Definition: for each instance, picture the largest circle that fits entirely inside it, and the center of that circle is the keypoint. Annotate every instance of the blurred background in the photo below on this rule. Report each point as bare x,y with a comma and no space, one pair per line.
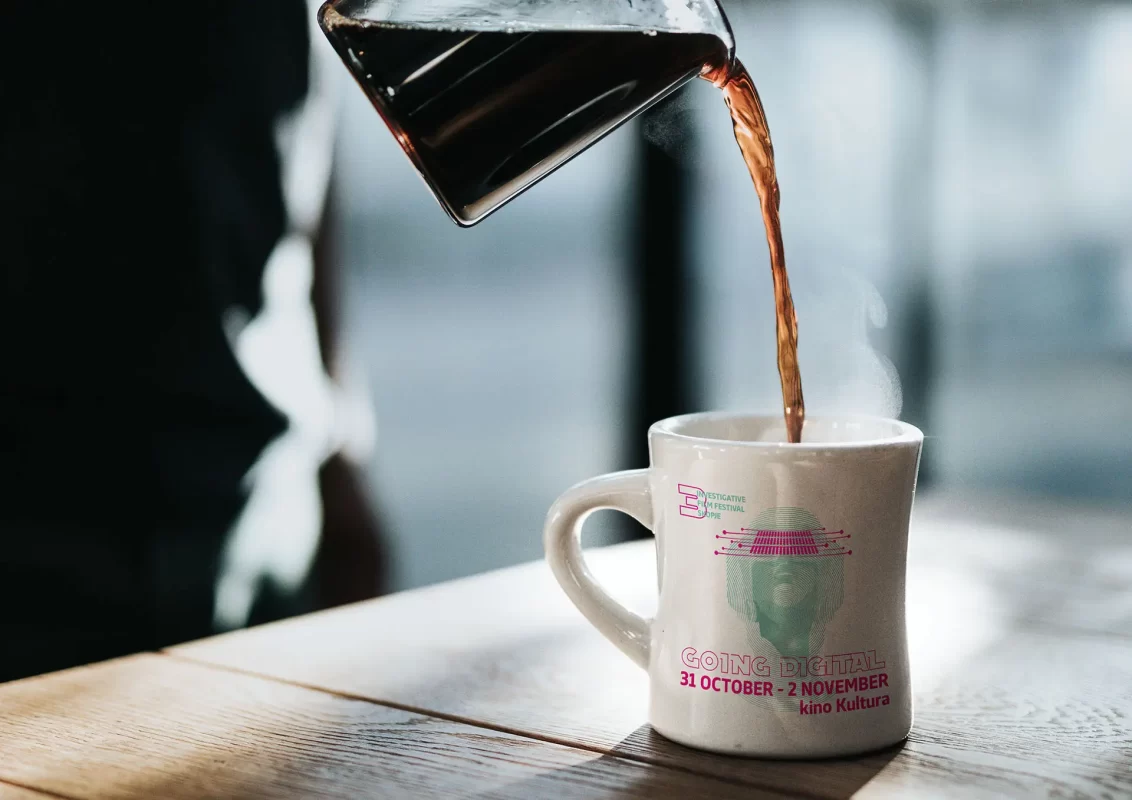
956,194
251,369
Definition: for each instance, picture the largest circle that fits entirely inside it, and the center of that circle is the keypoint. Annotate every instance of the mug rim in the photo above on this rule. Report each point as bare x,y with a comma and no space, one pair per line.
906,434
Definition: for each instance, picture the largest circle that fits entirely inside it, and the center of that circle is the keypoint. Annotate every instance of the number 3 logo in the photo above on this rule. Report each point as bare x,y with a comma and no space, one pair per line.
695,501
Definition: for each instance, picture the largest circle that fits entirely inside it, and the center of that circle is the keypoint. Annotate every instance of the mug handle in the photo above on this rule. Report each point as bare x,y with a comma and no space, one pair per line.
627,492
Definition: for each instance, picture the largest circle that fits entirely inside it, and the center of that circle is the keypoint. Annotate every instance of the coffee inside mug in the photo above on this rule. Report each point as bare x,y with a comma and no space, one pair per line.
770,429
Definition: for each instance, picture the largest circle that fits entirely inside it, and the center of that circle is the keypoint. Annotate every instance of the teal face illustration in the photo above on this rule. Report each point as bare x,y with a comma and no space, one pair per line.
785,587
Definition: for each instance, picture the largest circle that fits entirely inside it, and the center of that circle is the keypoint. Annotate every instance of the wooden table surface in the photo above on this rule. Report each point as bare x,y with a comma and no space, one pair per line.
1020,620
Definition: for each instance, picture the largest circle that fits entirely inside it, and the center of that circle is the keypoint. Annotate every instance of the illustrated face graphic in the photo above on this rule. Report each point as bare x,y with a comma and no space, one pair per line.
780,581
785,585
786,594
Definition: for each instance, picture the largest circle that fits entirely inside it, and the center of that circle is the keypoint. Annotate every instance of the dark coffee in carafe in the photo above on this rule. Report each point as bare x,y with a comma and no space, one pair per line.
485,114
486,103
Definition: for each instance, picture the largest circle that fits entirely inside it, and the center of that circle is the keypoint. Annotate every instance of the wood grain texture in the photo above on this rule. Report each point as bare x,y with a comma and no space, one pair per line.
154,727
10,792
1019,689
1062,565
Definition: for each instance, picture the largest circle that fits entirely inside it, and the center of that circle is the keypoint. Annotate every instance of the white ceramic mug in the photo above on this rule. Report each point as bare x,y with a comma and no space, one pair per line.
780,627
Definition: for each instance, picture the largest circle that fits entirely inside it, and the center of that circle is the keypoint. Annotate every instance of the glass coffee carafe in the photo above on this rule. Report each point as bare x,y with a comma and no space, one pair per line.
487,97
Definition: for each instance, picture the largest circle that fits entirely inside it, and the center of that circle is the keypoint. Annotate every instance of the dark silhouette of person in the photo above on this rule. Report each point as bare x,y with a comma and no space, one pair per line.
145,193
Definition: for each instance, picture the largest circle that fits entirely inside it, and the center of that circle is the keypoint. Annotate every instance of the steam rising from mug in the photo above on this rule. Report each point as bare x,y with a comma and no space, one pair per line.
671,126
846,373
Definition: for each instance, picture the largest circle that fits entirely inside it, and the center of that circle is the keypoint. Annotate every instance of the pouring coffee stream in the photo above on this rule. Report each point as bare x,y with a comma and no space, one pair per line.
487,97
753,136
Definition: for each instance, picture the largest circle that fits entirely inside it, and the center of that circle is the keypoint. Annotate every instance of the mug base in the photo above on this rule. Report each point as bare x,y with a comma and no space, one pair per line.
787,754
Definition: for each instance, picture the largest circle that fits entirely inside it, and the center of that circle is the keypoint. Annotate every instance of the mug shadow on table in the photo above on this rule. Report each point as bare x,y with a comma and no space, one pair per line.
646,765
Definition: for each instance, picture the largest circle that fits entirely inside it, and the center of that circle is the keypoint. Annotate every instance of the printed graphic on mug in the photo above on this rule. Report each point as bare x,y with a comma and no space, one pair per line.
699,504
786,580
785,576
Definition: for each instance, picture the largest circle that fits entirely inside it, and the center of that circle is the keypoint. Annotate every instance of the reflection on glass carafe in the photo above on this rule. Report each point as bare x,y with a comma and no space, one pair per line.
487,97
